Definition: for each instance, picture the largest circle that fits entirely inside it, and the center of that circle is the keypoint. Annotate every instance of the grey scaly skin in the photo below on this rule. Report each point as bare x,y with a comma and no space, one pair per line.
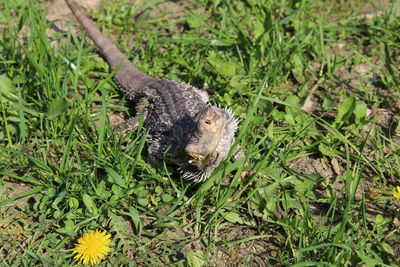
183,128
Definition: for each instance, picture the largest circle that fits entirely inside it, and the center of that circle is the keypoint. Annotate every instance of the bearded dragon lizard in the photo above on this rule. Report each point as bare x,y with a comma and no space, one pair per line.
183,128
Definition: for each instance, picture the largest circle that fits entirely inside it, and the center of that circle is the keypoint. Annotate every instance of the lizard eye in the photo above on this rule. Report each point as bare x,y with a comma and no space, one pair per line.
208,122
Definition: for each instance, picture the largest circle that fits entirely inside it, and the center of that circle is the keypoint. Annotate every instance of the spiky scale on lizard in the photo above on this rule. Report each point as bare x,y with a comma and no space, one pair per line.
183,128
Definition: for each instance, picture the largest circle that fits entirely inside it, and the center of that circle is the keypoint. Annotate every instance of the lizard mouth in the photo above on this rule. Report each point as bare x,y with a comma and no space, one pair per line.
198,169
200,160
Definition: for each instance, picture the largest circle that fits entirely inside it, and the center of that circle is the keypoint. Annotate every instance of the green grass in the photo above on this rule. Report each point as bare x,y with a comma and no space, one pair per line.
321,189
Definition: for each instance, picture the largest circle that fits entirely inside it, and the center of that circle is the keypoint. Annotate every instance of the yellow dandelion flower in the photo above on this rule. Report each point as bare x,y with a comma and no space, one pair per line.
92,247
396,193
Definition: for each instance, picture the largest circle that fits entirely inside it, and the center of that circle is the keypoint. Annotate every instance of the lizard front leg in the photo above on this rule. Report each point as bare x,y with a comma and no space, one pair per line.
132,123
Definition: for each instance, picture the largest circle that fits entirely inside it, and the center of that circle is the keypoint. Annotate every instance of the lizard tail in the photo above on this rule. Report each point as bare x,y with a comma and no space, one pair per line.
129,77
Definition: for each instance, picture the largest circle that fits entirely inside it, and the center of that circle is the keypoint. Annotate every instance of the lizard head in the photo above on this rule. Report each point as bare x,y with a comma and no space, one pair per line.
209,143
